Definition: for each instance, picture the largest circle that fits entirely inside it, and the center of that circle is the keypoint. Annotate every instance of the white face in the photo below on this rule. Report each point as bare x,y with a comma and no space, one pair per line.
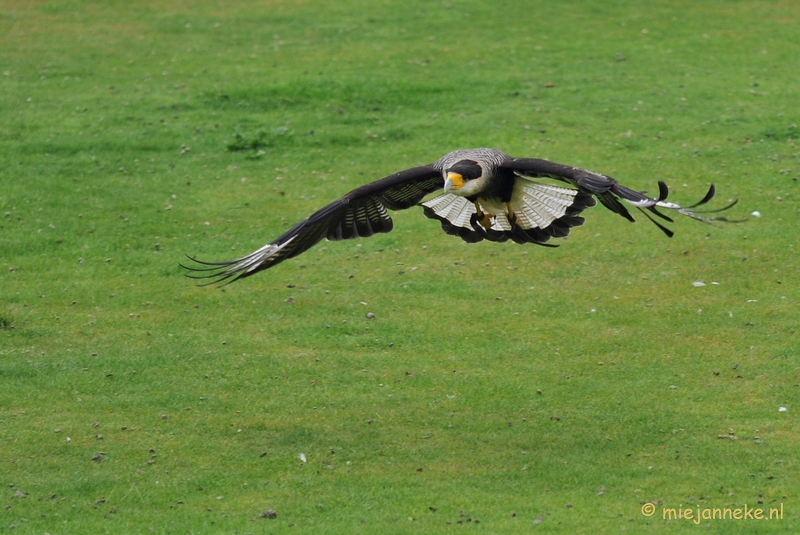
465,179
456,184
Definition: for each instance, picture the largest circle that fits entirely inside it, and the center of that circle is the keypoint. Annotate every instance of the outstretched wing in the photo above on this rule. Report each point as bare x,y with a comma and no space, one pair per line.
359,214
610,192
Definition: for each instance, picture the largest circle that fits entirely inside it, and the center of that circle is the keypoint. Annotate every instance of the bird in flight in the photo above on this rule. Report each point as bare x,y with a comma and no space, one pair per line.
487,195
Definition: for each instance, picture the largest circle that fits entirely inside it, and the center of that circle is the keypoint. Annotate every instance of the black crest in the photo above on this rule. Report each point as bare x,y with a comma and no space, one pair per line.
468,169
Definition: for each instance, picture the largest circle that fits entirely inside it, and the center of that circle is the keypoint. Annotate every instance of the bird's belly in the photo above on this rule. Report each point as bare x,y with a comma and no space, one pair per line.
492,206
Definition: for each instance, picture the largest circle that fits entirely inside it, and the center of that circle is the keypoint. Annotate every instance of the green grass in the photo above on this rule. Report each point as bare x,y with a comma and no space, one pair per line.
500,388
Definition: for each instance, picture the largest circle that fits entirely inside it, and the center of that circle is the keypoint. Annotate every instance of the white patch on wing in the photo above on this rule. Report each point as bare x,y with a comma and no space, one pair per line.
537,205
457,210
250,262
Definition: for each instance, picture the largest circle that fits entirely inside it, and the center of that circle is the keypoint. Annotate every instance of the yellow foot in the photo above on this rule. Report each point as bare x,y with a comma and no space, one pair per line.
510,215
485,220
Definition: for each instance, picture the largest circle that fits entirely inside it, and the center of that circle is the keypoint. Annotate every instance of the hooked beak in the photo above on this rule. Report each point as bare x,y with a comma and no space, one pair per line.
453,181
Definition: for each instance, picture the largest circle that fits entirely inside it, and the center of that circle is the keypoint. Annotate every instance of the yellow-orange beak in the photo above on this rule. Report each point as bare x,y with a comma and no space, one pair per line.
453,181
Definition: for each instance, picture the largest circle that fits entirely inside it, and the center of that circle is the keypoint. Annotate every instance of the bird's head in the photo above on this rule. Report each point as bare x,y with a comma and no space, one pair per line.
464,178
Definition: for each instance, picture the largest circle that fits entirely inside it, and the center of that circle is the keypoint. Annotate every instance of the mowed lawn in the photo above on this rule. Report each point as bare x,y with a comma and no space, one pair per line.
494,388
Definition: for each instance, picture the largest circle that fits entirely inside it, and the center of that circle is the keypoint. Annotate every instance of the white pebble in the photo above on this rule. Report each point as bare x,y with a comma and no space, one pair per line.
782,409
756,214
698,284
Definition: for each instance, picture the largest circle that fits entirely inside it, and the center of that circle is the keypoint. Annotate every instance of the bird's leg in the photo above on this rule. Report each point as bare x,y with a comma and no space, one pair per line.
510,215
484,219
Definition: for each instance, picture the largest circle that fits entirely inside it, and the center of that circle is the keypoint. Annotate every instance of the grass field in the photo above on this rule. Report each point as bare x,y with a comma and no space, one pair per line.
499,388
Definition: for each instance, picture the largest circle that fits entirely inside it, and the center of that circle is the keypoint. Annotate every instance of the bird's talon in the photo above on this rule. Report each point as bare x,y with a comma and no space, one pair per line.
512,217
484,220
